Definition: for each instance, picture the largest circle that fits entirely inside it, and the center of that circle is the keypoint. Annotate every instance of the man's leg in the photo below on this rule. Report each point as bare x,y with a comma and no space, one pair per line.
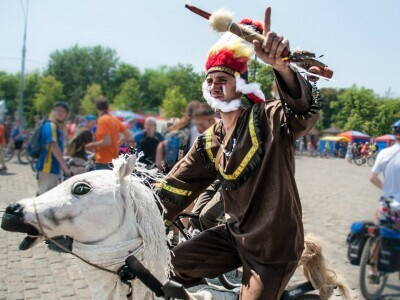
273,278
207,255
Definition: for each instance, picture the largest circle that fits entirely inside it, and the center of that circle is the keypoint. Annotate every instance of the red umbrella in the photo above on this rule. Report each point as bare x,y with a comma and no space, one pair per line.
385,138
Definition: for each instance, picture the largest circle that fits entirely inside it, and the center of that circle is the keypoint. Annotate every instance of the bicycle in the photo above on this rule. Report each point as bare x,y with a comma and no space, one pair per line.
23,155
9,151
297,292
376,261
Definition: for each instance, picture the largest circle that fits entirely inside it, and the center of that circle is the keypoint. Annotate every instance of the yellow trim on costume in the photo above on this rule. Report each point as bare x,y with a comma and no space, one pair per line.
49,158
208,135
243,164
174,190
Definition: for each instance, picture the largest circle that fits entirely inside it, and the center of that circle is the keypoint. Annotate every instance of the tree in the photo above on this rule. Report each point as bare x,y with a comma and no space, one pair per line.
155,82
263,74
122,73
49,91
388,113
129,96
356,110
32,81
79,67
9,90
328,96
93,93
174,103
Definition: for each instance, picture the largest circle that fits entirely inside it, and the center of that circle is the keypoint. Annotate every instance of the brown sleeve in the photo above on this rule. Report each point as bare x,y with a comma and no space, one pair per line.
301,113
187,179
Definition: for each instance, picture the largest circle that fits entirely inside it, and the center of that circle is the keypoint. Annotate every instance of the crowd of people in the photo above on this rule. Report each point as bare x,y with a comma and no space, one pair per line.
348,150
67,147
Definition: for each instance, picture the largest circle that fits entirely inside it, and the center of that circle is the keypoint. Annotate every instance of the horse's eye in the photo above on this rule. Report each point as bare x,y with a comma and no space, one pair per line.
81,188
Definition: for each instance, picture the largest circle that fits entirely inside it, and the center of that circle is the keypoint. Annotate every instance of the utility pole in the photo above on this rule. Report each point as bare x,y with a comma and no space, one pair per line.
22,74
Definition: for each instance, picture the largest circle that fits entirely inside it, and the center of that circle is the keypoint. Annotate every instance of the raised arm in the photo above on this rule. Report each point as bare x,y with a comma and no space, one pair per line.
293,89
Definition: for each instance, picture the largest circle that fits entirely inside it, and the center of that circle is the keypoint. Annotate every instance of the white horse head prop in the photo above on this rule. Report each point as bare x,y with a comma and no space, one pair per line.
110,215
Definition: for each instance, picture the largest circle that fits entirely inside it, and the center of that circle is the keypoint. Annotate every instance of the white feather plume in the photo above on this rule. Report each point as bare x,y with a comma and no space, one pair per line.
221,20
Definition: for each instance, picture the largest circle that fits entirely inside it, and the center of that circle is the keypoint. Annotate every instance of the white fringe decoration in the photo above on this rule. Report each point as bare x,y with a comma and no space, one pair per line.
218,104
249,88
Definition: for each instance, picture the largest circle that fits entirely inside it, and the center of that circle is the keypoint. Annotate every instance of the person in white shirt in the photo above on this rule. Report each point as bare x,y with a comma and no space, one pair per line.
388,163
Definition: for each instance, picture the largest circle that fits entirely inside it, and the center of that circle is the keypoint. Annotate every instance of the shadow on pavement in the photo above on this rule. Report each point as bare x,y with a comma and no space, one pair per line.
6,174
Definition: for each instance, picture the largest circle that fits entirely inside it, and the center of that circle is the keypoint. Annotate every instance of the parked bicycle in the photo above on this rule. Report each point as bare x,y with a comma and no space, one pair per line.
9,151
381,253
368,159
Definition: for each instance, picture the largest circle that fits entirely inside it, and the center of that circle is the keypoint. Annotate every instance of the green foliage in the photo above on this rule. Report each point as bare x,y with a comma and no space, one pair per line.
32,81
263,74
174,103
356,110
155,82
328,96
88,104
49,91
122,73
9,91
129,96
388,113
79,67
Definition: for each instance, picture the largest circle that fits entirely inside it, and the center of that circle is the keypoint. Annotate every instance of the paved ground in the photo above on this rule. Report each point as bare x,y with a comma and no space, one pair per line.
333,194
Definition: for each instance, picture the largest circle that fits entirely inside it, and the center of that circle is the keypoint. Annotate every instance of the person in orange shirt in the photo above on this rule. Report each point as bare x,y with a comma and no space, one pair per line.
107,136
2,146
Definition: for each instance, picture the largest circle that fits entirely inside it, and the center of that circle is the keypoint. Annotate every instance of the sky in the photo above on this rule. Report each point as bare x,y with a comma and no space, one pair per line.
359,39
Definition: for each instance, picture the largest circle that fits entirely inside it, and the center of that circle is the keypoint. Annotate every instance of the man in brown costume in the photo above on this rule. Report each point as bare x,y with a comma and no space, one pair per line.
251,150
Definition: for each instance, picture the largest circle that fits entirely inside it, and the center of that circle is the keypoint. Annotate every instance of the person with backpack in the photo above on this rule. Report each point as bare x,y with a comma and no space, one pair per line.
180,137
50,161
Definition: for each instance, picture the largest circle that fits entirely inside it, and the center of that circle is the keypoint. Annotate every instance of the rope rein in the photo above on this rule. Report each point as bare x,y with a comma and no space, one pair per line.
43,233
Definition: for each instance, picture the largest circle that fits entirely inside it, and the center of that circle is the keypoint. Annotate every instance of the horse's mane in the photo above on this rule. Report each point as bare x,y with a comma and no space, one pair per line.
136,193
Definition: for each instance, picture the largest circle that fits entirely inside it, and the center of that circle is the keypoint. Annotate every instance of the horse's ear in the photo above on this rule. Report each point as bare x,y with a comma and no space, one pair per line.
128,166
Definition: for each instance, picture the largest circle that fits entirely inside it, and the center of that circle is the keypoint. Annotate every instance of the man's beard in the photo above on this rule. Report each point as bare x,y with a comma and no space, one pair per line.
224,106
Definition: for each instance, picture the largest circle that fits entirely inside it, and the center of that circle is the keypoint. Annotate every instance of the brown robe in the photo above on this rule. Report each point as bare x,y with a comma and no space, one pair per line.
257,171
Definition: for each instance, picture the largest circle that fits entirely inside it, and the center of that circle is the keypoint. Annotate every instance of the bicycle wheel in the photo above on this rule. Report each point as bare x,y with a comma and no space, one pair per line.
359,161
231,280
371,289
9,152
23,157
